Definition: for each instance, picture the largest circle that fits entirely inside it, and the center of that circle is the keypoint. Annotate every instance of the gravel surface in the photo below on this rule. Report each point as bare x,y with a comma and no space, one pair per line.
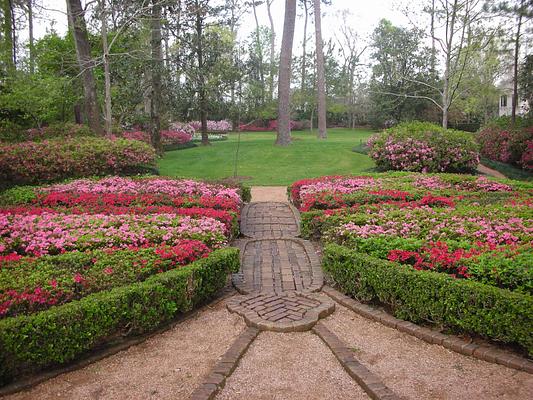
415,369
167,366
269,193
290,366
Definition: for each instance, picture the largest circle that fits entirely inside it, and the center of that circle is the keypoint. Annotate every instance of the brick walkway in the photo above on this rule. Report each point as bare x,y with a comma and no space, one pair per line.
279,268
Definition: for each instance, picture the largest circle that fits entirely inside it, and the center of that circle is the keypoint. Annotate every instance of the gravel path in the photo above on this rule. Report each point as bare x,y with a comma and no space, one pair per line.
166,366
415,369
269,193
489,171
290,366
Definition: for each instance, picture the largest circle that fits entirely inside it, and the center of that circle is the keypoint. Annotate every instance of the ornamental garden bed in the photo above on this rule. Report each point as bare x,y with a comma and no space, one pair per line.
85,262
449,250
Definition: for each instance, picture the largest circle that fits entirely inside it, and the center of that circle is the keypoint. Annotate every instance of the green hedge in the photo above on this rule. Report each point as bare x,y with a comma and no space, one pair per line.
63,333
425,296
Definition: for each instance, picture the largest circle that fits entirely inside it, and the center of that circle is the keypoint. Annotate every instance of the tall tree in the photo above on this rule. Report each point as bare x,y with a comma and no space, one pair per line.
157,68
76,15
521,11
321,73
29,8
8,42
272,60
305,4
107,73
284,83
259,51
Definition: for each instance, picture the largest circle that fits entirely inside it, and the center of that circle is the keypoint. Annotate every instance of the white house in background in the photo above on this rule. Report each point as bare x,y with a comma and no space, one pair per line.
506,101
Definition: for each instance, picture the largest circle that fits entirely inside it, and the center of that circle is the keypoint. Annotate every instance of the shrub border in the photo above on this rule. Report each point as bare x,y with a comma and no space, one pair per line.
418,296
62,334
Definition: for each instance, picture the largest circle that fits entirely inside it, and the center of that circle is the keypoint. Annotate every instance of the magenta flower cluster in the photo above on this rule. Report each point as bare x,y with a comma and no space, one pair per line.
172,187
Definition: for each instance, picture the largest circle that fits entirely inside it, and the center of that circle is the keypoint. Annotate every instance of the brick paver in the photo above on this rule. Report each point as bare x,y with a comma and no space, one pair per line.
269,220
288,312
278,265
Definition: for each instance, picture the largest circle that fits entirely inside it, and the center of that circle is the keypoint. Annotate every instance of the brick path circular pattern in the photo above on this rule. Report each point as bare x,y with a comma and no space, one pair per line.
287,312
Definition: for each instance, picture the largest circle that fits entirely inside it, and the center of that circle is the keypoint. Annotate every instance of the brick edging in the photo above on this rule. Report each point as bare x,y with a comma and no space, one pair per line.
371,383
225,366
109,350
487,353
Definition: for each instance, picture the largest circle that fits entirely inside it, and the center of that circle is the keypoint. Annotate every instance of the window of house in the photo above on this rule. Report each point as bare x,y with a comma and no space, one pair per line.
503,101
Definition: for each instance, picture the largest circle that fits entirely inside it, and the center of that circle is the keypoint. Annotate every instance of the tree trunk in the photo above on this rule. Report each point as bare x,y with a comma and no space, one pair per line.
272,52
321,72
432,32
515,66
260,53
304,48
284,81
7,30
157,60
202,95
83,53
30,33
107,72
450,26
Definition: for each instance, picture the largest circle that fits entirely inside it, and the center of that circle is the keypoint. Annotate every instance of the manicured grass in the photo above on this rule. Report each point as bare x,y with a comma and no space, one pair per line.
267,164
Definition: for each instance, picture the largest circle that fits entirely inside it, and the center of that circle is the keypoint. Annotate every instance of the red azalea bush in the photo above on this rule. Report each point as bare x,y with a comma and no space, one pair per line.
168,137
90,200
51,160
34,284
526,161
507,145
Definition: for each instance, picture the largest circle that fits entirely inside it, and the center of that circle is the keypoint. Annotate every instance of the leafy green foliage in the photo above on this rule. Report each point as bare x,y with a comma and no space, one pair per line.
63,333
426,296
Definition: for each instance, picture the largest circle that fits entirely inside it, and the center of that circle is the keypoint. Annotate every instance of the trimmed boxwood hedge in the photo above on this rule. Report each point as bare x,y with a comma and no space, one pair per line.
63,333
426,296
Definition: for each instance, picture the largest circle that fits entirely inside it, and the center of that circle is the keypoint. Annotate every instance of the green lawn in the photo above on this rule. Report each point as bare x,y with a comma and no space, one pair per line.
266,164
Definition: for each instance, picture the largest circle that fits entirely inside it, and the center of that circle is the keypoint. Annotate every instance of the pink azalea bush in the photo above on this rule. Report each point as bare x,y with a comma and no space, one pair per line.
53,233
423,147
213,126
50,160
171,187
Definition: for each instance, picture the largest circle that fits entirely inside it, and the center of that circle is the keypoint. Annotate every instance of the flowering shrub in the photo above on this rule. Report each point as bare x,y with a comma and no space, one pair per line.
103,258
424,147
34,284
213,126
59,130
506,144
447,223
171,187
183,127
168,137
51,233
31,162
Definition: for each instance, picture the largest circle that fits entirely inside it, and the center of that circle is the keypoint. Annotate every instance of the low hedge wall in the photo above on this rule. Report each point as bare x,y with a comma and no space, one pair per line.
61,334
425,296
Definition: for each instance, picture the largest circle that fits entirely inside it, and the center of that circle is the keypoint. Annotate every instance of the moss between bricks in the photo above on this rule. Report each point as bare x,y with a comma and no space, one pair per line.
422,296
61,334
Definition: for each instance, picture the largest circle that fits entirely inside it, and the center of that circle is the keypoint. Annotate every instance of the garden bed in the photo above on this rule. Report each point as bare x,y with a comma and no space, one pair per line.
453,250
89,260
